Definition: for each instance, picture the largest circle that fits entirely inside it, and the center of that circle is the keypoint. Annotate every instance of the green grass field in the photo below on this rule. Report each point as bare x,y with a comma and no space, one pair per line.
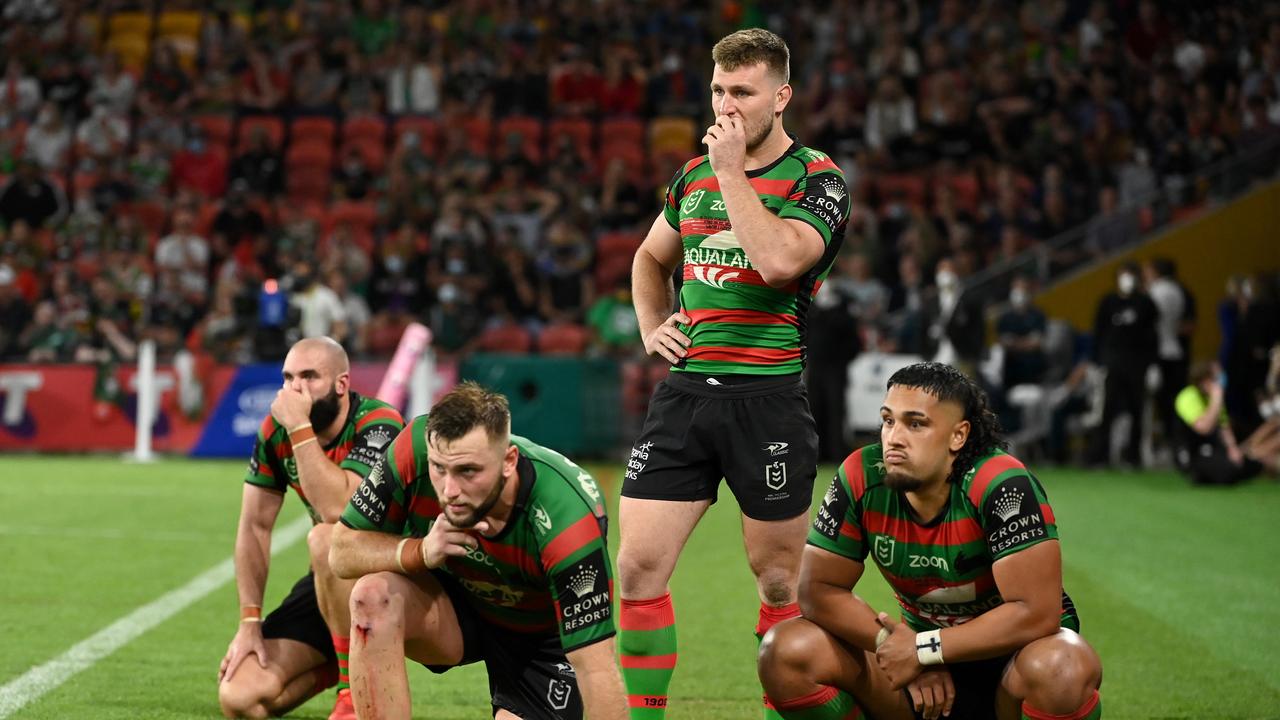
1178,588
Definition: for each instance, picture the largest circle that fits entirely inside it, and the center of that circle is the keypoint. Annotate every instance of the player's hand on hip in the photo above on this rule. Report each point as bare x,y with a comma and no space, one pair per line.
248,641
667,340
445,540
933,693
292,408
726,143
896,656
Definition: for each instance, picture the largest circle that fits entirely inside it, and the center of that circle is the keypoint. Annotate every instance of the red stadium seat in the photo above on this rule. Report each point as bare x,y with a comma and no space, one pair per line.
365,129
373,153
309,153
612,271
274,127
563,339
479,131
967,191
505,339
82,183
152,216
217,129
308,183
362,216
902,188
631,154
579,130
528,129
317,130
624,131
428,131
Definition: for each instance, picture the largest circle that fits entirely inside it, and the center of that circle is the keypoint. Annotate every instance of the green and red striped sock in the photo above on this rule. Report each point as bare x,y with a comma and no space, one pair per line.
826,703
342,646
1090,710
647,645
770,616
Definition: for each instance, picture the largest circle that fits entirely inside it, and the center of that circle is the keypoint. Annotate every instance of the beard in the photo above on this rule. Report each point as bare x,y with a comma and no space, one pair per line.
477,512
757,135
324,410
902,482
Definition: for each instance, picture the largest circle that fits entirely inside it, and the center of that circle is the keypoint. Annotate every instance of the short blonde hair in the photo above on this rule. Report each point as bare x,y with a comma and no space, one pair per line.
755,45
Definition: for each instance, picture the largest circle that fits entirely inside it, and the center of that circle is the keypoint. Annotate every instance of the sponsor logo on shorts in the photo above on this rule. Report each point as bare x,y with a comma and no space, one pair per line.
558,693
639,458
777,449
775,475
884,549
564,668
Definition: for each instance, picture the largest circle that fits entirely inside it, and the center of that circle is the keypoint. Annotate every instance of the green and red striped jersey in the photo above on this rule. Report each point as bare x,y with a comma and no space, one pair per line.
740,324
548,570
939,570
369,427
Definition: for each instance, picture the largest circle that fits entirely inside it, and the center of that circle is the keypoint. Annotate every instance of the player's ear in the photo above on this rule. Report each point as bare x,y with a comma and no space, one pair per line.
342,384
781,99
509,461
959,436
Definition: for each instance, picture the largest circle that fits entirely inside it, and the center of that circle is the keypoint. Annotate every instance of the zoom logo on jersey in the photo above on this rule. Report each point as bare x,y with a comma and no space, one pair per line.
714,276
582,594
558,694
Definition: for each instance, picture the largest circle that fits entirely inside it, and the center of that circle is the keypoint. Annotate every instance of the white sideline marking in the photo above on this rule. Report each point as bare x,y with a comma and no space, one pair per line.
41,679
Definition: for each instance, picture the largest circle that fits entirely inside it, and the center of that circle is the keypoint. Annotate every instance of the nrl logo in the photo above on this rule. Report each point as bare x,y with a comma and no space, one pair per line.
775,475
884,549
715,277
691,202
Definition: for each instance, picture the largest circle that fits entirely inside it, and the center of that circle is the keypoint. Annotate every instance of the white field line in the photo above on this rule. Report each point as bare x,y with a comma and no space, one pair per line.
41,679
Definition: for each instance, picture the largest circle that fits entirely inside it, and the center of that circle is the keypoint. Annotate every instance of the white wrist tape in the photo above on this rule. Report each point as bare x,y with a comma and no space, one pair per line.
929,647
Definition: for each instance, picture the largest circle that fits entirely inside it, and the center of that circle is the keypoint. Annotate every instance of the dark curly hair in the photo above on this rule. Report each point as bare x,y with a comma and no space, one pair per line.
950,385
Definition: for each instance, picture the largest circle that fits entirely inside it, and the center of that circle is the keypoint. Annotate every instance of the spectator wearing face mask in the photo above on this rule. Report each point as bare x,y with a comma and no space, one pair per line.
1021,331
955,333
1124,344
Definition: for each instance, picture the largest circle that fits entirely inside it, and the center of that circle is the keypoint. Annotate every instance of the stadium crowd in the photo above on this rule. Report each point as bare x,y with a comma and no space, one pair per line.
180,172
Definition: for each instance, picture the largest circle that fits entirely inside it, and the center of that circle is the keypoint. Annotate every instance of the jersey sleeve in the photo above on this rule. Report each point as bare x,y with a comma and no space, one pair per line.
575,558
264,471
820,198
374,430
380,501
675,194
837,527
1015,512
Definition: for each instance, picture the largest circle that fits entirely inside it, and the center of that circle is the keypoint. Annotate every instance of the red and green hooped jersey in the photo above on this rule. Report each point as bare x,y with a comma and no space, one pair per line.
370,426
548,570
941,570
740,324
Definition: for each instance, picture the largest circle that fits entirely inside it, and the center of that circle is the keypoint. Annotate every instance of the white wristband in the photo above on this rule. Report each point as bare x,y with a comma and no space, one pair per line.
929,647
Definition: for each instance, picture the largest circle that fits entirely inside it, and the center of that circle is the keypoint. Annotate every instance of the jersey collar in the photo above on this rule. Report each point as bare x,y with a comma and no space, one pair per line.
795,144
526,476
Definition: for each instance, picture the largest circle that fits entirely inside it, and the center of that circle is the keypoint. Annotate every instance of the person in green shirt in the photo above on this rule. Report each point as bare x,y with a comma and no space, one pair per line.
1209,452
